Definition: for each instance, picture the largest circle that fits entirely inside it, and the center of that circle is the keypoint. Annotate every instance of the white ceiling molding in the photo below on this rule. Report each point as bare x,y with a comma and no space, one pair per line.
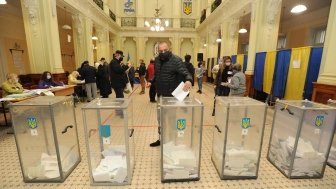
227,10
92,11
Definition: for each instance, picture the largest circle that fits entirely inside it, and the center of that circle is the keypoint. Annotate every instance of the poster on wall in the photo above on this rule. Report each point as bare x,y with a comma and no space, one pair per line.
129,7
187,7
17,60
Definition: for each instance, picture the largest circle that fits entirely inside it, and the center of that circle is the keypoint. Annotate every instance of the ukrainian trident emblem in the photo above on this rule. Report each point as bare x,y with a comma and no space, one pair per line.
181,124
187,7
246,123
32,122
319,121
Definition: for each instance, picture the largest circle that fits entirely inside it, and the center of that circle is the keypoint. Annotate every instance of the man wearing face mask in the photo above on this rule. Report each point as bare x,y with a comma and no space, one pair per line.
117,74
168,74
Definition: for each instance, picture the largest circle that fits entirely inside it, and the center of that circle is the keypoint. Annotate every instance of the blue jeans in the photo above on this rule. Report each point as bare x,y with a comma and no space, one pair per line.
199,82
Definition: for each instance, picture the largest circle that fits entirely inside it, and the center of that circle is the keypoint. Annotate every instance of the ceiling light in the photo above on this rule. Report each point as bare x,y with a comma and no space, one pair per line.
94,38
205,45
242,30
157,23
66,27
218,40
298,9
3,2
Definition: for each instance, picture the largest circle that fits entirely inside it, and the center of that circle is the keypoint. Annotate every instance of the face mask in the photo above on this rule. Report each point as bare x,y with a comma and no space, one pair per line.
16,80
121,59
227,63
164,57
48,76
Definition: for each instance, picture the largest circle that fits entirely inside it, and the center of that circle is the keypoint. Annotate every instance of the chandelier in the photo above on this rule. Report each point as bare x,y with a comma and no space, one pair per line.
157,24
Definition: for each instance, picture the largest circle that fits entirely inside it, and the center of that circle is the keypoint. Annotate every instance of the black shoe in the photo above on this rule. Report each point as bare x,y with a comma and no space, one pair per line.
154,144
200,92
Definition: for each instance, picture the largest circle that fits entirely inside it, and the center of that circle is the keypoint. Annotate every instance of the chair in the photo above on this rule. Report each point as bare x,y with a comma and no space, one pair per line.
4,109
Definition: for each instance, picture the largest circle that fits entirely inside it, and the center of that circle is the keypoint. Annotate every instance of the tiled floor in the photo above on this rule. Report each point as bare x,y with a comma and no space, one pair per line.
147,169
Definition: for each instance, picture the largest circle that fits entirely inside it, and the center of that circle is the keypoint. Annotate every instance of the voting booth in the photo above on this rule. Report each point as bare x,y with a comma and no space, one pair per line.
332,153
109,140
237,137
181,133
46,138
301,138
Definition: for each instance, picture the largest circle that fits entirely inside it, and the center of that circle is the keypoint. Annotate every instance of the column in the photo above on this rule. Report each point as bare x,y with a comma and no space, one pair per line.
175,41
196,45
140,13
212,45
229,31
325,87
82,33
327,73
103,46
176,13
41,29
141,47
265,18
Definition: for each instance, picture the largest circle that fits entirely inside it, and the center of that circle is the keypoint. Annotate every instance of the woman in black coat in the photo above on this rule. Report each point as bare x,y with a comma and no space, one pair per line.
103,80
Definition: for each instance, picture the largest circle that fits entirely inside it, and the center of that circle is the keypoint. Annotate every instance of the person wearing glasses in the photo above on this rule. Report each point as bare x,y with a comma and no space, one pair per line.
169,73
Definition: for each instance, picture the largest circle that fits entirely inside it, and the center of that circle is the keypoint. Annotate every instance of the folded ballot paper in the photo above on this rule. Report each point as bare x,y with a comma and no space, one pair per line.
307,162
113,167
179,93
179,162
240,162
48,166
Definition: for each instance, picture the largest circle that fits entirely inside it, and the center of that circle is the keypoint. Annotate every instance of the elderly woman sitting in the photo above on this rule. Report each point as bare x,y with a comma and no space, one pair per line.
11,85
72,78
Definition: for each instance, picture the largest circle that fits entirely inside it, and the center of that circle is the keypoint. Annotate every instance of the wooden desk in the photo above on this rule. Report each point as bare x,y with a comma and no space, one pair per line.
64,91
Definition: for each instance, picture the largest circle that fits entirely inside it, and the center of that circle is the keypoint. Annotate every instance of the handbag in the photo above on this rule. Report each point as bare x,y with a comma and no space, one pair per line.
129,86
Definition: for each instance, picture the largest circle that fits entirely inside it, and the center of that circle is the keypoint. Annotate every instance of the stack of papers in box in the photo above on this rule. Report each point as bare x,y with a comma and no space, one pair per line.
48,166
307,162
112,168
240,162
179,162
332,156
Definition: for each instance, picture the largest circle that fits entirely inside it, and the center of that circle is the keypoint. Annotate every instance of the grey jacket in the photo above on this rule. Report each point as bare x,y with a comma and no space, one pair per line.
237,84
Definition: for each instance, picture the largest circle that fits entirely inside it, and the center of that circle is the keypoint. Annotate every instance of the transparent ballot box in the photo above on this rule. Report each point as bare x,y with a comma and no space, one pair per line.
237,137
301,137
109,140
181,133
332,154
46,137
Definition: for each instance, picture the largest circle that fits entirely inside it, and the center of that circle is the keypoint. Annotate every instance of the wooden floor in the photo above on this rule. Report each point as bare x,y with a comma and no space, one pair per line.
147,169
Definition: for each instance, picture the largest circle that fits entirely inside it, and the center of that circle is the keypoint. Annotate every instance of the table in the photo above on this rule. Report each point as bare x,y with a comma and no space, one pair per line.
64,90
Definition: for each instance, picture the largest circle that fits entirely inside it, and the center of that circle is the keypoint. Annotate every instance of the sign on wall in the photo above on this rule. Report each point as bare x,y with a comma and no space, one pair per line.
187,7
129,7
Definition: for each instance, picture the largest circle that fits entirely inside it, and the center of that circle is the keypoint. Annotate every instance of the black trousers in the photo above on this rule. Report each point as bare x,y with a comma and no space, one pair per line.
152,92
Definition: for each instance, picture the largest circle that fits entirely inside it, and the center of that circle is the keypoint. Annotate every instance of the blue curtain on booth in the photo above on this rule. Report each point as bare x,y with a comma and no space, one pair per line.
313,71
234,59
280,72
245,63
259,65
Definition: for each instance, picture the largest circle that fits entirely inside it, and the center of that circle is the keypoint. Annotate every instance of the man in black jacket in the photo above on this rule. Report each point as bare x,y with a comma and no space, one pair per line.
190,67
169,72
117,74
142,75
88,73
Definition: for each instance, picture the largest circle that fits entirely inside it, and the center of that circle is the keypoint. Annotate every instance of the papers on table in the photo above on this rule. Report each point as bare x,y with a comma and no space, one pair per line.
179,93
179,162
6,99
113,167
